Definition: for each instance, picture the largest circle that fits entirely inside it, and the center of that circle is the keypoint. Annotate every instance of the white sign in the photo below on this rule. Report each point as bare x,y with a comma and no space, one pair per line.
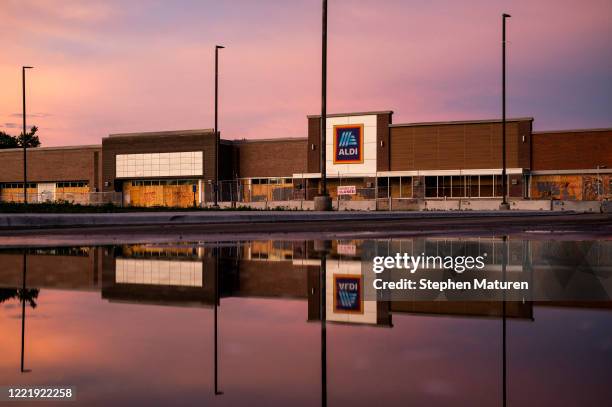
347,190
346,249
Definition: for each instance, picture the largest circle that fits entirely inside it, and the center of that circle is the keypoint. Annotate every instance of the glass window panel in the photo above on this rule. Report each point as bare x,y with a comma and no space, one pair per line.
486,186
431,184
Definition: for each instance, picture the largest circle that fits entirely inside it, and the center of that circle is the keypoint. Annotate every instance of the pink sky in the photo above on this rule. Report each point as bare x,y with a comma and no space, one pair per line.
116,66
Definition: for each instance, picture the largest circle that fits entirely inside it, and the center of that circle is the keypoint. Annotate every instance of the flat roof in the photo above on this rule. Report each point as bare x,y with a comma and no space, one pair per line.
515,119
164,133
573,131
312,116
84,147
269,140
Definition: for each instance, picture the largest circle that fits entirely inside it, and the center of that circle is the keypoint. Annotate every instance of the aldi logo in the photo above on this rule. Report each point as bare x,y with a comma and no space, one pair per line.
348,144
347,294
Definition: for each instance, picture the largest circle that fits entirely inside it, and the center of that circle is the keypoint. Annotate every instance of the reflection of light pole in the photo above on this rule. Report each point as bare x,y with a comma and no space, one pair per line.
23,308
23,139
504,368
504,204
216,251
216,186
322,293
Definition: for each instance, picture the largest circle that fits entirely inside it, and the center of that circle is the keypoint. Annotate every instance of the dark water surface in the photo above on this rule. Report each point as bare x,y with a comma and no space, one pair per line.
239,323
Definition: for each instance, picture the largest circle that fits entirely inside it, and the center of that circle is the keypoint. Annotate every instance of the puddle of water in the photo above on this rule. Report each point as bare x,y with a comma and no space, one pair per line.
239,323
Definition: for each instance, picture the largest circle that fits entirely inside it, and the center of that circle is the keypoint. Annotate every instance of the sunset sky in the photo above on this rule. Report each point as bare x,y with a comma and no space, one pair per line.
123,66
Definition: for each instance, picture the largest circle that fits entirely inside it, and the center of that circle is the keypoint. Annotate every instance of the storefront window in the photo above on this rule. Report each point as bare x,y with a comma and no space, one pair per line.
486,186
458,187
431,187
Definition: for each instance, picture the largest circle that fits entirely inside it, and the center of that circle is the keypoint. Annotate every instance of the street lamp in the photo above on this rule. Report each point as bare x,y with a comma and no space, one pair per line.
504,204
23,138
323,201
216,186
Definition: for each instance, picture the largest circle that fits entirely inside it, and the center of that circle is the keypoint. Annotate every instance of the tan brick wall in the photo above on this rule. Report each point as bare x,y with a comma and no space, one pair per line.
49,165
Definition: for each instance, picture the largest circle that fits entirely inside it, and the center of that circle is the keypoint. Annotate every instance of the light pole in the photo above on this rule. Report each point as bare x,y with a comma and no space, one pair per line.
323,201
504,204
23,138
216,186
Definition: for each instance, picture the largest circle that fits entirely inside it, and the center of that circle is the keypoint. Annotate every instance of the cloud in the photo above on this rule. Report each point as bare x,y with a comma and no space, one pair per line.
106,67
38,115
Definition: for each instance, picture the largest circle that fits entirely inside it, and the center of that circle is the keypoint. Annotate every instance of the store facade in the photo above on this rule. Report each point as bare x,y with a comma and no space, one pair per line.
369,158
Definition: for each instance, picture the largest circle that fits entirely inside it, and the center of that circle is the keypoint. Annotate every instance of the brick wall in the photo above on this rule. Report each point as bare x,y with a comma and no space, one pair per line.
52,164
572,150
271,158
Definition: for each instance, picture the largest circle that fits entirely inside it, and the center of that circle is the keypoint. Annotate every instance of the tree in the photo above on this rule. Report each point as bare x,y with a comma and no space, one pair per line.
8,141
31,139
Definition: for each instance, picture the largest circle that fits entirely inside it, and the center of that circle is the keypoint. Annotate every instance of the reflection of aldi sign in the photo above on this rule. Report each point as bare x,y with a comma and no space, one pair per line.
347,294
348,144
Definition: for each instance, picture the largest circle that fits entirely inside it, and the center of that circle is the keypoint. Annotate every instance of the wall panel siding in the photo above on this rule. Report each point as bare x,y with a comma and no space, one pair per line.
453,146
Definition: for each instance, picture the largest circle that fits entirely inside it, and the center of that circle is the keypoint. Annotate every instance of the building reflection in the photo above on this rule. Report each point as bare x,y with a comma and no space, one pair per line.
186,274
327,276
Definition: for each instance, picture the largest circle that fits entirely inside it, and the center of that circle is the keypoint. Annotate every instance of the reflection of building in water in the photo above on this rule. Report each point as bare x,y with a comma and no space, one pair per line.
345,295
74,268
184,274
172,275
172,266
268,250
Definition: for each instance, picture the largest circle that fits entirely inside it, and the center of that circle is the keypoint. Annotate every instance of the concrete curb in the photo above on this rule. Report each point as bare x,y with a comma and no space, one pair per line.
32,221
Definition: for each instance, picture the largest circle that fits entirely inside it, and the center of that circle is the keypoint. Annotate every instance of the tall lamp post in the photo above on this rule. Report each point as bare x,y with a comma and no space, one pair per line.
323,201
23,138
504,204
216,186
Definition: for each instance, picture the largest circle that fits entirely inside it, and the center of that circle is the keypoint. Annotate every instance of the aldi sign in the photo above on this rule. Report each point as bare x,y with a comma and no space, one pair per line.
348,144
348,294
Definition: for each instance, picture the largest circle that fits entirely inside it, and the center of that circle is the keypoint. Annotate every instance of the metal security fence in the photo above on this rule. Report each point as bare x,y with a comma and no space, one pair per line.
254,190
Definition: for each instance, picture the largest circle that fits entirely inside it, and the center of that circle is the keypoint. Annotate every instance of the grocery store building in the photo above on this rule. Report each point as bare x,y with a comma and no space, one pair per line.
370,161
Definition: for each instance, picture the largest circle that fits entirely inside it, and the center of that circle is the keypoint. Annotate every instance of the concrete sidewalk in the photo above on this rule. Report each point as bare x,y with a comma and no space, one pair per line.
44,220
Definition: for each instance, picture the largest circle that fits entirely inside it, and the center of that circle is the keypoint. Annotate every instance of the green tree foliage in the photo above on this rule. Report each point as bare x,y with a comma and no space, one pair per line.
31,139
